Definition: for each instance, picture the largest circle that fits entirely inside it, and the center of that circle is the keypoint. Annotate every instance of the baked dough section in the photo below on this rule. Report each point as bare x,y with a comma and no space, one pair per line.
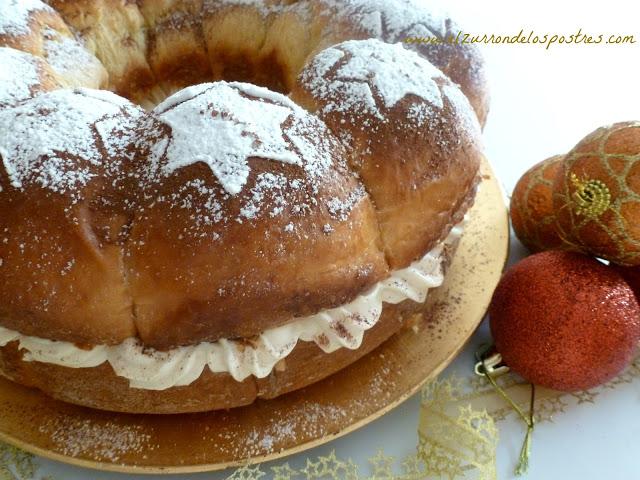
100,388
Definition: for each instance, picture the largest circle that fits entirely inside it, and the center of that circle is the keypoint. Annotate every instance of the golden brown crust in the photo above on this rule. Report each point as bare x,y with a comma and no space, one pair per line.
258,274
235,36
61,274
418,160
176,48
41,292
33,41
99,387
50,39
258,265
114,31
265,42
341,20
174,259
463,65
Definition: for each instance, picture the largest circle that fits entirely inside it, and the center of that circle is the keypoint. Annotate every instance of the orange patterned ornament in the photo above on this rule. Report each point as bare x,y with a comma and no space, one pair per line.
596,194
531,207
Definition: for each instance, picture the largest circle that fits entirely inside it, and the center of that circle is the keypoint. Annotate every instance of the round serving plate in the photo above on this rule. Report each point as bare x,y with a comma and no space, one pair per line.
270,429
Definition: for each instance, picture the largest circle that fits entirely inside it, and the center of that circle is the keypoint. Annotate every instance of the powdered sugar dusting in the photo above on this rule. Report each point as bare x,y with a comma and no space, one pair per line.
421,114
62,147
15,14
106,441
371,22
358,90
231,129
366,69
394,71
181,96
71,60
264,7
326,59
265,94
388,18
378,18
236,122
340,209
18,75
396,20
464,112
268,183
267,156
107,97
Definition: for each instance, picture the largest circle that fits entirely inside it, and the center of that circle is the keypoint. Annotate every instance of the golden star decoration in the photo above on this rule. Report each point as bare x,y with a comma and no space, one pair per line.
382,466
284,472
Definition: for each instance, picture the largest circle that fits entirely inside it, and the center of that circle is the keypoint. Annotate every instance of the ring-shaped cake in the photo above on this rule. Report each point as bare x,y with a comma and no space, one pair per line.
291,193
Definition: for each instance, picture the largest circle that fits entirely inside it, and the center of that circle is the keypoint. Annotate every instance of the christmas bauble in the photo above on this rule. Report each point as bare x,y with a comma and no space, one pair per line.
564,320
632,276
597,194
531,207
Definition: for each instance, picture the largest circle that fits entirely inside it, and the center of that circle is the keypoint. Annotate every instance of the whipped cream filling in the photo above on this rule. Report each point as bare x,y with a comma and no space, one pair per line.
330,329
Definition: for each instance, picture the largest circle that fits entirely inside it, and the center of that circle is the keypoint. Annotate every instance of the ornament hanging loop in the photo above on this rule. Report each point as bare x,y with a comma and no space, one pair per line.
488,365
491,365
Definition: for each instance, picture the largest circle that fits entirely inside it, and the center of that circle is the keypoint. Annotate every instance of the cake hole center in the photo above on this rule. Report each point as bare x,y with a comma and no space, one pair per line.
150,88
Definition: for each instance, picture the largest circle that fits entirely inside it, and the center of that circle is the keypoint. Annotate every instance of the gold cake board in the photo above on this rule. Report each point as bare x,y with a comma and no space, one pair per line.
270,429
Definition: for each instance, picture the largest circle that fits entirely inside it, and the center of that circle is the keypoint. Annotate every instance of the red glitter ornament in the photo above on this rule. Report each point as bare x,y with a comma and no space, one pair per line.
632,276
564,321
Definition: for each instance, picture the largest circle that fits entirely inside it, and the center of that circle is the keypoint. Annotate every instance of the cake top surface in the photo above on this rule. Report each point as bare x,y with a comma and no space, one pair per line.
239,124
65,53
389,19
76,135
15,14
367,70
360,87
18,75
62,127
236,122
231,129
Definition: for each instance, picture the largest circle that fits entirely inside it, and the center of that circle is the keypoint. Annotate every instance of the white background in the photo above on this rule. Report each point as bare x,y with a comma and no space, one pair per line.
543,102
